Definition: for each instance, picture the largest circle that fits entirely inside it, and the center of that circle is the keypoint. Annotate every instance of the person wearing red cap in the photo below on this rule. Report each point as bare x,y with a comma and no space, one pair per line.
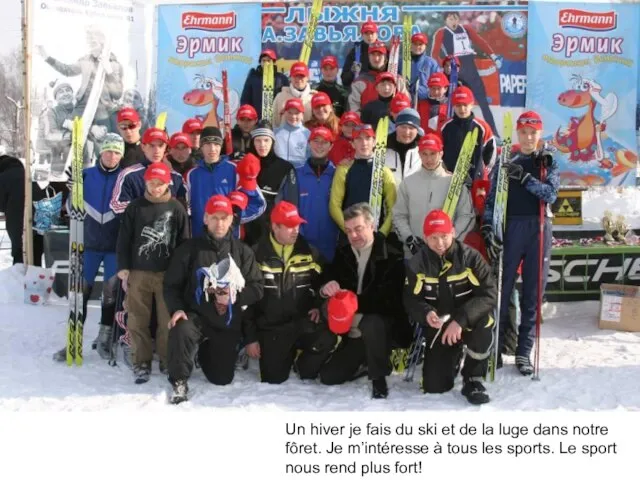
129,125
180,153
533,188
287,318
453,307
246,120
252,90
210,280
217,174
352,181
357,60
374,270
422,67
424,191
463,42
454,131
363,89
446,69
342,150
299,89
309,188
130,183
193,127
152,227
433,109
373,111
322,114
329,84
292,136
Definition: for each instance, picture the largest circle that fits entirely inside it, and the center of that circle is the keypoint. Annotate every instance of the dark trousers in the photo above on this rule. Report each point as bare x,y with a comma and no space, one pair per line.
469,74
442,362
217,353
521,243
278,349
371,349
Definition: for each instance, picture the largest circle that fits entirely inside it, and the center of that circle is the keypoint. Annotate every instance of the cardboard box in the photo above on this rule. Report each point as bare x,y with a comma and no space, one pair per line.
619,307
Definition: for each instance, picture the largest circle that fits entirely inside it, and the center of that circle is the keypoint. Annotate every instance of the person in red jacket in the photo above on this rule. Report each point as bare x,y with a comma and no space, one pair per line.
342,150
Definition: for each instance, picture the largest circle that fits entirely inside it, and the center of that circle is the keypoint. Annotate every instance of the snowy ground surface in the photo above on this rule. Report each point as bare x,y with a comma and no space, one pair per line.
582,368
620,201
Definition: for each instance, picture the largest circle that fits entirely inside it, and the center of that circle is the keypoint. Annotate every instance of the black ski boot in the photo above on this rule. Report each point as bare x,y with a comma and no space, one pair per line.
180,392
475,392
379,388
524,365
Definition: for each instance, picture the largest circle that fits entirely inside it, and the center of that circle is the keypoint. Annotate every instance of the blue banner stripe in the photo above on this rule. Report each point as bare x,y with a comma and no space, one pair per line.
463,8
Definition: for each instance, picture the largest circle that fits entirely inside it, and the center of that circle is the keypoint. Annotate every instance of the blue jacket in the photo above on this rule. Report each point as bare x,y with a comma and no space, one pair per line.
311,193
292,144
130,185
220,178
101,225
423,66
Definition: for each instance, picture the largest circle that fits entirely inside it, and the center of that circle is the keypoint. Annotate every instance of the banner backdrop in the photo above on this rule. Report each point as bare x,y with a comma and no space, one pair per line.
89,59
195,43
583,78
495,59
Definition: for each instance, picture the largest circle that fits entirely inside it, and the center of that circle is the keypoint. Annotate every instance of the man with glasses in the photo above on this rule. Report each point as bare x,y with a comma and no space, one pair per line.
129,128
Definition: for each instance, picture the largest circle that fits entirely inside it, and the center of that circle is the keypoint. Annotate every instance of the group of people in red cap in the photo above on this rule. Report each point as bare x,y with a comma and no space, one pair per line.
273,249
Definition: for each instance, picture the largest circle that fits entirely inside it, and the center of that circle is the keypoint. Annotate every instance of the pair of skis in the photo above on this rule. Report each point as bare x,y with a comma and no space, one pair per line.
309,38
75,323
377,176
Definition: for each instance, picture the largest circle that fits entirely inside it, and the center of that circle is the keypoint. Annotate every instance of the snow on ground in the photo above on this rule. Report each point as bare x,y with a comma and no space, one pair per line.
582,368
619,200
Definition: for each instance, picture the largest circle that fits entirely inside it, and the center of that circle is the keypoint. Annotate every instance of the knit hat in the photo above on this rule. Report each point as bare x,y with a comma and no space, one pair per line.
341,309
211,135
263,129
409,116
437,221
59,86
112,143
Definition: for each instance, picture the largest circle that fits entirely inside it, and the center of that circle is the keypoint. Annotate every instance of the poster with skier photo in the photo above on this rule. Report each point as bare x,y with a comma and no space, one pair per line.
88,62
582,71
488,39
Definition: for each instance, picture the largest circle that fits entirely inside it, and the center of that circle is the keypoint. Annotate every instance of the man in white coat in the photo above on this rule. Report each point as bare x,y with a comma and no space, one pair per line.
424,191
402,156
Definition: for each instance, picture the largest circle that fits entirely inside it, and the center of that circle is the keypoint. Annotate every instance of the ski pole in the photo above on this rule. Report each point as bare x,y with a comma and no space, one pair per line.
536,368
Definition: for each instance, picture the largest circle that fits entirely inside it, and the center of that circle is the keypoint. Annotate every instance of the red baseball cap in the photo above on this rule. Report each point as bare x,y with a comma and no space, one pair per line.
295,103
269,53
438,79
430,141
299,69
385,77
248,170
378,47
369,27
479,193
238,199
341,309
178,138
529,119
152,134
399,102
419,38
158,171
350,117
128,114
437,221
217,204
320,99
321,132
192,125
329,61
285,213
462,96
247,111
363,129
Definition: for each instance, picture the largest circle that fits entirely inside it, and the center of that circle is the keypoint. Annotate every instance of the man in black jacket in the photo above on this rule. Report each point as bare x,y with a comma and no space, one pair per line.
208,282
451,292
288,318
374,270
12,202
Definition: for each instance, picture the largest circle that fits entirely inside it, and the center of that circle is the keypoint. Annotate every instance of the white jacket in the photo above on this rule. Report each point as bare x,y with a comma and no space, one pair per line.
287,93
422,192
412,164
